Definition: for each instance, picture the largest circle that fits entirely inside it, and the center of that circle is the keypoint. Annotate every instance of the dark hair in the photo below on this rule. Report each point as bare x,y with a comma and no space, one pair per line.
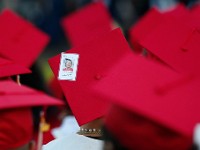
109,138
66,59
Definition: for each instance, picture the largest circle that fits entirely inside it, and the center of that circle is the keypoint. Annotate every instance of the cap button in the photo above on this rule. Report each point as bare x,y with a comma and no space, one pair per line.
98,76
184,49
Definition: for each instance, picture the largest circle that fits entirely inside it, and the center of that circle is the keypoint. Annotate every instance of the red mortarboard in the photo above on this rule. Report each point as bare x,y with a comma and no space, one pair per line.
95,58
145,25
20,40
195,10
89,21
10,68
13,95
161,96
176,43
150,21
16,117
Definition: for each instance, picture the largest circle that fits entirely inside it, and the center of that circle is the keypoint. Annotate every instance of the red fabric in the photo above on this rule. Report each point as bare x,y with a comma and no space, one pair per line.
14,96
86,23
10,68
20,40
150,21
47,137
145,25
176,43
153,91
15,128
95,58
195,10
136,132
194,16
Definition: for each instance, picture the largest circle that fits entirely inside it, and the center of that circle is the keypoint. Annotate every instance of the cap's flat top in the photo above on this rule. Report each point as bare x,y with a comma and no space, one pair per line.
20,40
154,91
13,95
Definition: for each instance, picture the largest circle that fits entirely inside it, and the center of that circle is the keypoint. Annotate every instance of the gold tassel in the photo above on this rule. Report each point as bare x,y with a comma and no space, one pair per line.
43,127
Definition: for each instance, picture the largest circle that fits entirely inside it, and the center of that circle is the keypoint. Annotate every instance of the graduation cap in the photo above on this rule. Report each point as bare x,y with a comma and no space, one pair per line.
176,43
195,9
16,128
86,23
13,95
153,106
150,21
95,58
147,23
10,68
20,41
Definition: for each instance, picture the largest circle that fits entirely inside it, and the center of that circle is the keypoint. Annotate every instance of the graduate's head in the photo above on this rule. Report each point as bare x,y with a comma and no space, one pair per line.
92,129
16,119
128,130
16,129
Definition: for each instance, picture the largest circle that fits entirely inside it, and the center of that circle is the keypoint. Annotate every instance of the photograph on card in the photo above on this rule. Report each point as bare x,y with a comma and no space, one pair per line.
68,66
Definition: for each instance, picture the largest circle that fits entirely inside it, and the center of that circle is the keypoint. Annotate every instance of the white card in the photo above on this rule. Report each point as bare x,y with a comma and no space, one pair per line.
68,66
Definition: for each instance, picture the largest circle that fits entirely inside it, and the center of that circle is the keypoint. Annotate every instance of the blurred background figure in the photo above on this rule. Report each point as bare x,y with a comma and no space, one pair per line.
47,15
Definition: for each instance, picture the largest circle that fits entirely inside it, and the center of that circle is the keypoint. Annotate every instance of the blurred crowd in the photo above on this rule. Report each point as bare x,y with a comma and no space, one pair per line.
48,16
